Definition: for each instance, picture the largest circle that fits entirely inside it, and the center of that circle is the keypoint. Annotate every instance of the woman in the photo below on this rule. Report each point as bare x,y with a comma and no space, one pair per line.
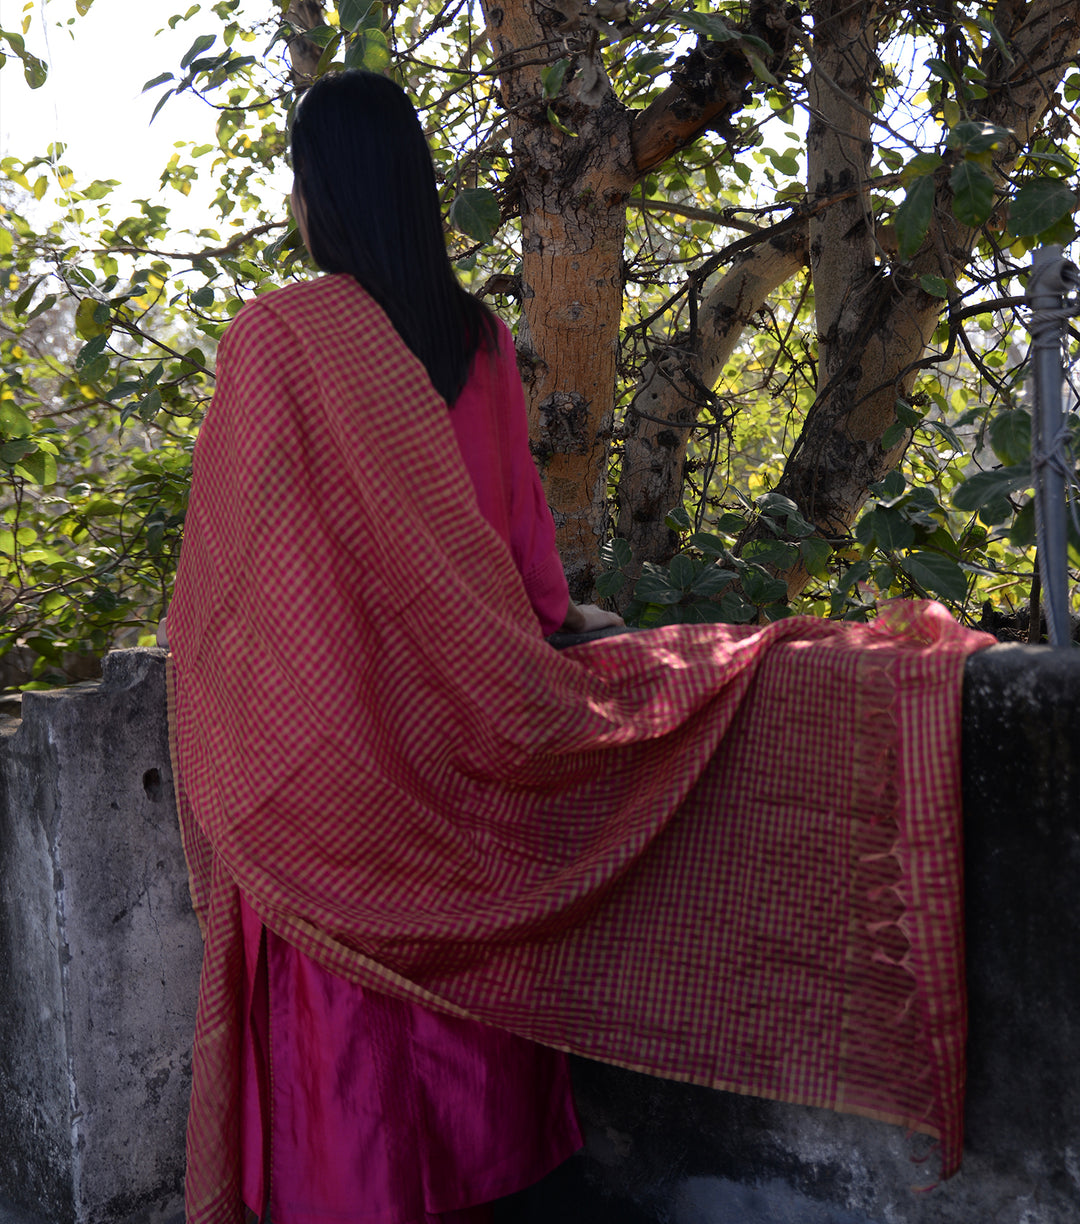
634,850
356,1106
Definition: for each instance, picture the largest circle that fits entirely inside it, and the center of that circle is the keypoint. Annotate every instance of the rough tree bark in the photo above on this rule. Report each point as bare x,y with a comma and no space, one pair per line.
573,193
874,322
304,55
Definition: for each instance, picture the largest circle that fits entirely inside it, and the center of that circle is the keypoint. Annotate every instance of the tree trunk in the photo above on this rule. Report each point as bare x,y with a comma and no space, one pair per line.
574,191
304,55
874,320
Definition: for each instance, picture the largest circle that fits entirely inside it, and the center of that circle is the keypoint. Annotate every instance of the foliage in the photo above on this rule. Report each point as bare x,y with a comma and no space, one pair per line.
108,323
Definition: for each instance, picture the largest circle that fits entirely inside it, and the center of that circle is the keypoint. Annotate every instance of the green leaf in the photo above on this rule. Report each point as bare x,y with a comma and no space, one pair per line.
737,610
761,587
771,552
920,166
894,483
893,436
974,137
14,423
96,369
681,571
553,76
984,23
906,415
973,193
558,124
776,505
706,24
677,519
760,70
100,188
197,48
90,350
815,554
24,299
46,303
937,574
854,574
615,553
149,406
731,523
712,580
476,213
101,507
1010,436
35,71
888,529
351,13
1022,532
158,80
368,49
702,612
785,163
610,583
710,545
40,467
654,587
646,64
12,452
1038,204
936,286
161,102
884,576
913,215
986,486
995,512
797,526
939,68
203,297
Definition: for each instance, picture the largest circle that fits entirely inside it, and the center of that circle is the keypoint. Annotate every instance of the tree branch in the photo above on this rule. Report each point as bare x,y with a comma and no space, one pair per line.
676,385
708,87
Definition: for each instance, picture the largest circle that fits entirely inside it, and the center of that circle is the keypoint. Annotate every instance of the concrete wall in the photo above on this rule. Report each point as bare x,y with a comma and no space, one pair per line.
99,953
99,963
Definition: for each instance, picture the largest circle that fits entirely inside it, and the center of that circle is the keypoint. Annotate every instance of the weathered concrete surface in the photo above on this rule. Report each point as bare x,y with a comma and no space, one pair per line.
664,1153
99,964
99,954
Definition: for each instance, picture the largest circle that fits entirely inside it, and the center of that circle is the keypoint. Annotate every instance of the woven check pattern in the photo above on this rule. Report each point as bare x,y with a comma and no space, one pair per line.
725,855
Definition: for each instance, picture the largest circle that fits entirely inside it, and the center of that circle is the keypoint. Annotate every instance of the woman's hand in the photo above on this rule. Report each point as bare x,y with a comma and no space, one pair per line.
585,618
162,634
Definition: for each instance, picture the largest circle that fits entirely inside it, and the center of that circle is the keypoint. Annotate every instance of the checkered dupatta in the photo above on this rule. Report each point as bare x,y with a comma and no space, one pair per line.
724,855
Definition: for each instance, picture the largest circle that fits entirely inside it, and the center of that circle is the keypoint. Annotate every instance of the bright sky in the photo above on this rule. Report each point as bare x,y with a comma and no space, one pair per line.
93,100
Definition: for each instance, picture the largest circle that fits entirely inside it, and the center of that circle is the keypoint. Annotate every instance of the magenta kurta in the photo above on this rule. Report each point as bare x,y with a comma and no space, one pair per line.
359,1107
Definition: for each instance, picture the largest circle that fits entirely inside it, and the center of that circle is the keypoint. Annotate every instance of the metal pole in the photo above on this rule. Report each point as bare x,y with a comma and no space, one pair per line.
1046,294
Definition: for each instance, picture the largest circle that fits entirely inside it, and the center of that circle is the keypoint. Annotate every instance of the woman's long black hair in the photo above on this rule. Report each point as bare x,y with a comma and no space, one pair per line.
367,184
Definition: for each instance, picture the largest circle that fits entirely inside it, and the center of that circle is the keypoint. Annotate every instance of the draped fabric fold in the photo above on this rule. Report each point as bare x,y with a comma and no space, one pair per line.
721,854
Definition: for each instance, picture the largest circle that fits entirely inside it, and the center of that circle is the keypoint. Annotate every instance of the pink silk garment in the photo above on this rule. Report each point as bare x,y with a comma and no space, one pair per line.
364,1108
717,854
